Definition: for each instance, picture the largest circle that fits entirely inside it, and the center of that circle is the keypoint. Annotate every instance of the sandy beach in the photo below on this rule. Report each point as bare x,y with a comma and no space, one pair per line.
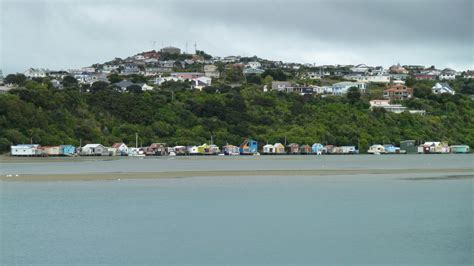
451,173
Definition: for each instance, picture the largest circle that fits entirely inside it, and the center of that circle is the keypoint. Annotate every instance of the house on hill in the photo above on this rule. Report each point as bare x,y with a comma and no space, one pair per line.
448,74
35,73
341,88
124,84
211,71
440,88
398,92
280,85
397,69
170,50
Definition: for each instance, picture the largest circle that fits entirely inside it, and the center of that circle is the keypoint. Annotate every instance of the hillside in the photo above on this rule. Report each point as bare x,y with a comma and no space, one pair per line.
174,114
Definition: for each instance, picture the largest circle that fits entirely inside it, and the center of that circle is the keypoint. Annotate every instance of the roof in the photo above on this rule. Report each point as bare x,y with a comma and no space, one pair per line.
398,87
347,83
28,146
117,145
442,85
169,47
92,145
124,83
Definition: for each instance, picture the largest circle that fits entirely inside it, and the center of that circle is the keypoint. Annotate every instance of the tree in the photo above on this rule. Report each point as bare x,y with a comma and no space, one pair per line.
134,89
353,95
234,74
17,79
98,86
220,68
276,74
203,54
422,91
114,78
138,79
69,81
254,79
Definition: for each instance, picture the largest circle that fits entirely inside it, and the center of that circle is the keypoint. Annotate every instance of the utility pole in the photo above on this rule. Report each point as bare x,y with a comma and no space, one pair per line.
136,140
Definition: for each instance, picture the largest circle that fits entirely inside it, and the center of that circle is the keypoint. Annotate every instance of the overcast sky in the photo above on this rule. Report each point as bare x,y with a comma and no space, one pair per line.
70,34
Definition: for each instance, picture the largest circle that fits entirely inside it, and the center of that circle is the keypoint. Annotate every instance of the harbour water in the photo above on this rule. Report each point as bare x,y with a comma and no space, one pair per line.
381,218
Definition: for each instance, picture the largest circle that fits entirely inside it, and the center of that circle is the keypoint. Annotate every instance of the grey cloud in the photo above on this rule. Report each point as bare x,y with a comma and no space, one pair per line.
66,34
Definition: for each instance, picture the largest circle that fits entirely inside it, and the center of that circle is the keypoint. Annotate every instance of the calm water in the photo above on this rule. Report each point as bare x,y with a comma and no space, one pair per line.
357,219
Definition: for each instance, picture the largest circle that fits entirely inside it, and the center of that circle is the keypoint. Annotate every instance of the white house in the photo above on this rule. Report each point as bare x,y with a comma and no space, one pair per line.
201,82
146,87
161,80
139,57
253,65
440,88
448,74
269,149
433,147
25,150
94,149
376,149
322,89
342,87
361,68
35,73
314,75
193,150
205,80
348,149
4,89
88,69
469,74
378,70
364,78
211,71
394,108
120,148
280,85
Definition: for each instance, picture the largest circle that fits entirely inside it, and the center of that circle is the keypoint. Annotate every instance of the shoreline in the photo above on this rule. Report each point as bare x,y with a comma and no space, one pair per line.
454,174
